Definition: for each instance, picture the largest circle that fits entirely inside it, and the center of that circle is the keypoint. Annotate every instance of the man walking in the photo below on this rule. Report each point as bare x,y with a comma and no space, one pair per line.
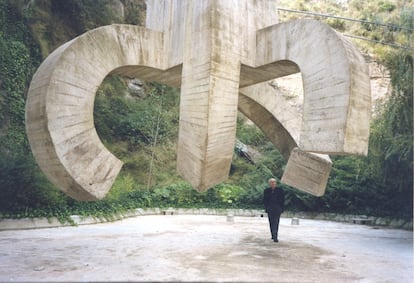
274,200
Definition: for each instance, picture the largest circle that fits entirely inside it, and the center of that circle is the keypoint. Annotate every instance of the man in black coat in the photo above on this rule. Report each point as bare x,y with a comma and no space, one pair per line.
274,201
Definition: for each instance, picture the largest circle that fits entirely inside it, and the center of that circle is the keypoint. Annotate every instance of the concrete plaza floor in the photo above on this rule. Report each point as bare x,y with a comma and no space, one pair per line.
207,248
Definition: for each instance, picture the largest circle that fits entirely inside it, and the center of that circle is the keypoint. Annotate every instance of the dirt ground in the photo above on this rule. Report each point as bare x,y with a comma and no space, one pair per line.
196,248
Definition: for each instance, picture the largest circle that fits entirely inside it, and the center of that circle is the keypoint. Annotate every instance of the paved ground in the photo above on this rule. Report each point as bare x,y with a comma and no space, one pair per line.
195,248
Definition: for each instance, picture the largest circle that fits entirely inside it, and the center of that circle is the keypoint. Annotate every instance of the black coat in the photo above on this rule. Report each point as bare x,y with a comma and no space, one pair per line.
274,201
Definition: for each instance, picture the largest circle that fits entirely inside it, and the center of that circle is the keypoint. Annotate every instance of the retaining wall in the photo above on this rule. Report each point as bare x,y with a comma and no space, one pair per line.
36,223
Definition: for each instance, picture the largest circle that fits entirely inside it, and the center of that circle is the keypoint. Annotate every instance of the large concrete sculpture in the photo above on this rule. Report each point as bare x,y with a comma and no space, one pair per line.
219,53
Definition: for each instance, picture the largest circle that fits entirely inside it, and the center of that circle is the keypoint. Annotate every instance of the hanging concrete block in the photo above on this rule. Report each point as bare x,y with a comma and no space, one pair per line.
307,171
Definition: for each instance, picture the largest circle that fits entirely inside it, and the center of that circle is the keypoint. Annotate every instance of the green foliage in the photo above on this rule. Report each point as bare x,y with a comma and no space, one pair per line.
137,121
134,12
183,195
391,147
54,22
16,68
390,21
123,184
248,133
229,194
108,113
86,14
14,74
23,187
394,26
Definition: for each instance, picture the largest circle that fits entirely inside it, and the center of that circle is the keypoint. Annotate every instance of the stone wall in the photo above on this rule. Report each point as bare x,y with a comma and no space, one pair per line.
37,223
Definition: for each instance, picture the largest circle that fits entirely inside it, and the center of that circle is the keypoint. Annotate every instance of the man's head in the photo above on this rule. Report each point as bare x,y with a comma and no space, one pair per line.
272,183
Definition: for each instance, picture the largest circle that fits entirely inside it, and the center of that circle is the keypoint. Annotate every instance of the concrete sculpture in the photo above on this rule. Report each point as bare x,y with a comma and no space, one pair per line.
218,53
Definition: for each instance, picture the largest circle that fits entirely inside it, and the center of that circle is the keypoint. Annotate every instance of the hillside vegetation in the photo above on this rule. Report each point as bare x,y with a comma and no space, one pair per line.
141,129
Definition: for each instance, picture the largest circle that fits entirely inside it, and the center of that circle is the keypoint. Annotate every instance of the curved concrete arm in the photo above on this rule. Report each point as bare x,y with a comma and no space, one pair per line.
59,113
336,111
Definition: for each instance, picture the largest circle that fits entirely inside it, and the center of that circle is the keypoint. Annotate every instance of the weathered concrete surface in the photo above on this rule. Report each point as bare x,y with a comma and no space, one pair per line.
308,172
213,40
210,50
281,122
185,248
337,99
273,115
59,109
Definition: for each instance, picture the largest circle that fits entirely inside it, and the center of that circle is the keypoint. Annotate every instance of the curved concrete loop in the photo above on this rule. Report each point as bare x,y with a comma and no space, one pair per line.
336,111
59,110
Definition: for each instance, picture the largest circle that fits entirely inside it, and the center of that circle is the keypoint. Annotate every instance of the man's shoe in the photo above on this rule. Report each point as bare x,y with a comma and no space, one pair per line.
275,240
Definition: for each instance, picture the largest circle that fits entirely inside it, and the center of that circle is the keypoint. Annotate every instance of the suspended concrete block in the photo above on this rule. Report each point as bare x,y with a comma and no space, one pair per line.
307,171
